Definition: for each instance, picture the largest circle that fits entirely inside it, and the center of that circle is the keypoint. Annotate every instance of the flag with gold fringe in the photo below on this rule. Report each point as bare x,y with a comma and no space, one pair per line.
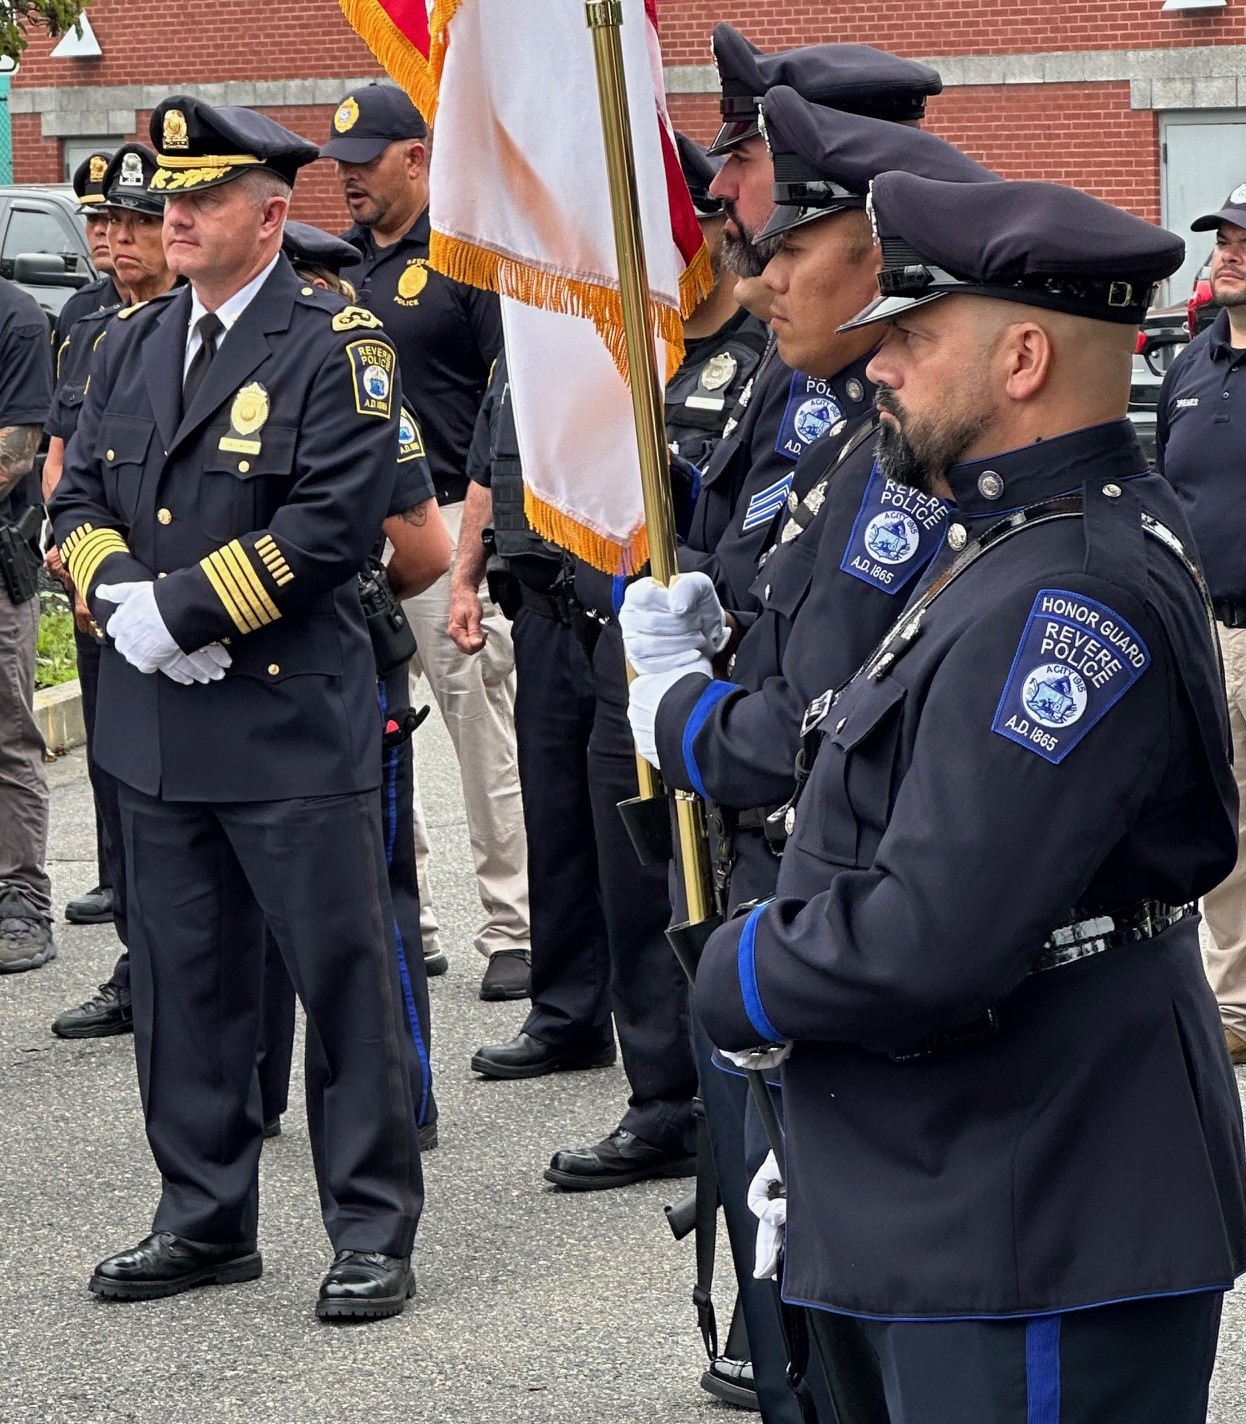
521,205
400,34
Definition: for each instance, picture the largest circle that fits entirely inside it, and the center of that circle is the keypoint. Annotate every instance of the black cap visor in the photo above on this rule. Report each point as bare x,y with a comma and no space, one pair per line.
732,133
1210,221
799,203
152,207
356,148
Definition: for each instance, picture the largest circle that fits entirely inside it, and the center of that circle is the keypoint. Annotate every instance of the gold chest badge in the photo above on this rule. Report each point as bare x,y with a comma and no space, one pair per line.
246,416
412,282
99,166
346,117
174,134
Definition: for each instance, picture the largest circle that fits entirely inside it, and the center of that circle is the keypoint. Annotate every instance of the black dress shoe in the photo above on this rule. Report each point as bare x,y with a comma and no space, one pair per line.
428,1136
364,1285
526,1057
435,964
272,1126
508,976
165,1264
732,1382
617,1162
93,908
108,1013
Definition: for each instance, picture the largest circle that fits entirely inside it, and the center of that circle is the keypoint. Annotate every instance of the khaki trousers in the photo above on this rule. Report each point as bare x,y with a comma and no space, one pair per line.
475,695
23,777
1225,907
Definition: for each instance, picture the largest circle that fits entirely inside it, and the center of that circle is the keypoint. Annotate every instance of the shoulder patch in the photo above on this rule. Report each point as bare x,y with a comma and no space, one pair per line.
355,319
811,411
410,442
372,376
896,534
1076,660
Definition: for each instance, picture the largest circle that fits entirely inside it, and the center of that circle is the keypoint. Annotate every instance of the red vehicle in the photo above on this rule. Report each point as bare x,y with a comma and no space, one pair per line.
1202,307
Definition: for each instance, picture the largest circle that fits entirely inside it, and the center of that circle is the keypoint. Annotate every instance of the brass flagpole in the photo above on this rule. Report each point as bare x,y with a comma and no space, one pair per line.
604,19
850,1370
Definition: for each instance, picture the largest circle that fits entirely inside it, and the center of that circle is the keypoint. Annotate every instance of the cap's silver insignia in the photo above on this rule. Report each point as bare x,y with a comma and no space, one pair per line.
131,171
873,217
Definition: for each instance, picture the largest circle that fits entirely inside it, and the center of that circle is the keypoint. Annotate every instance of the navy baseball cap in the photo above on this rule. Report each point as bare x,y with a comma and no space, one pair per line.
368,120
1234,211
825,160
699,172
88,180
858,79
314,247
128,180
200,145
1039,244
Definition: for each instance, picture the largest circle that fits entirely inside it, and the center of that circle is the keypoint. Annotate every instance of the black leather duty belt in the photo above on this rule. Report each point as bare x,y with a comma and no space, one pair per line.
1232,615
1133,924
549,605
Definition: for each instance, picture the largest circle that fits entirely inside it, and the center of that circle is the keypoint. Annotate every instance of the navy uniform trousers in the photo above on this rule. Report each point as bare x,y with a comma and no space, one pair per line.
313,869
554,706
396,796
648,989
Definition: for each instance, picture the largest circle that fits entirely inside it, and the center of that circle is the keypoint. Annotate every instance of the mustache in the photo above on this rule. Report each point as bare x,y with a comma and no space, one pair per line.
885,399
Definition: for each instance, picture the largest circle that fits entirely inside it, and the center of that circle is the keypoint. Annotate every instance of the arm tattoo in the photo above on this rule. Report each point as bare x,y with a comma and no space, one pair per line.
417,514
18,444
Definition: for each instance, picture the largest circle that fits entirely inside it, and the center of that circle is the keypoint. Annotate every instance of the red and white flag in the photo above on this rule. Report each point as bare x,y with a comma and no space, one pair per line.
521,205
399,33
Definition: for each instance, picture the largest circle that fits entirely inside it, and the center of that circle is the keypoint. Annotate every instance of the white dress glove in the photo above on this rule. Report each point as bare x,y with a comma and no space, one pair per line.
140,636
759,1060
643,695
665,628
771,1213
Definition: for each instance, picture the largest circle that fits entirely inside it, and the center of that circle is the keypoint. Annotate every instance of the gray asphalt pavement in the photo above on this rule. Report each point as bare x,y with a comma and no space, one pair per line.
533,1305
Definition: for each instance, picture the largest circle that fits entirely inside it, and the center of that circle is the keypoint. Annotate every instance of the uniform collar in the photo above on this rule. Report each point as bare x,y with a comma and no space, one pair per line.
1001,483
1219,345
417,235
852,389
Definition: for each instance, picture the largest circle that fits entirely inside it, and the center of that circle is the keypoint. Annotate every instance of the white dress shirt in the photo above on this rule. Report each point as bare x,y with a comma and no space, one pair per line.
228,312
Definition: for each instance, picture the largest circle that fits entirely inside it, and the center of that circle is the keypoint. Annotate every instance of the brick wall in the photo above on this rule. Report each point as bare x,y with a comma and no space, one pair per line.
1083,135
921,27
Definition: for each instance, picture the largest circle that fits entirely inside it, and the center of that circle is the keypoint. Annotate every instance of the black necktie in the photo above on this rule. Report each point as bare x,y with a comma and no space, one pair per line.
210,327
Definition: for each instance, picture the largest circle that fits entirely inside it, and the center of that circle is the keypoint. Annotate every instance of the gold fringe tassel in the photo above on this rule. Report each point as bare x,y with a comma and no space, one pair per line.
611,556
400,59
465,261
696,282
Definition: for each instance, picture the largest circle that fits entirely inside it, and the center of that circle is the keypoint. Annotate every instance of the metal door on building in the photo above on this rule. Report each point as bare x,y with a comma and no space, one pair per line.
1202,159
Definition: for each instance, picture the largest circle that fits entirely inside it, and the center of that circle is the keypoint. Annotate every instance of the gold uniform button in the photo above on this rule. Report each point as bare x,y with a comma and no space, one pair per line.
110,454
243,466
164,516
274,669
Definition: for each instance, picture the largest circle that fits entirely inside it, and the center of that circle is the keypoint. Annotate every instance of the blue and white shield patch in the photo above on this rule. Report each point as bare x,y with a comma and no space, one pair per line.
1076,661
765,504
811,411
897,531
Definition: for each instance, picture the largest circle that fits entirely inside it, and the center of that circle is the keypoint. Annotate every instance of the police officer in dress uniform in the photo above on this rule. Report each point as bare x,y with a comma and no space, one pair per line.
985,901
846,557
102,293
648,993
448,336
133,217
1199,446
232,465
421,554
785,411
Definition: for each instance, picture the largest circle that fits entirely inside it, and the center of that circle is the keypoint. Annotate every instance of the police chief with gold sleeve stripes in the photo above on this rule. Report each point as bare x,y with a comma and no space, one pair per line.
233,462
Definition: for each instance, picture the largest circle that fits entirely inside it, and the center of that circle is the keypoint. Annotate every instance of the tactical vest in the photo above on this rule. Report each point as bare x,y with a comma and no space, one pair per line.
514,536
703,393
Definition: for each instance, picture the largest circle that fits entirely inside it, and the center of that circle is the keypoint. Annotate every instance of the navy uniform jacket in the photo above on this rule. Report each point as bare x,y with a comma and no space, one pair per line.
1054,743
253,511
448,336
1200,446
828,596
746,483
98,295
73,370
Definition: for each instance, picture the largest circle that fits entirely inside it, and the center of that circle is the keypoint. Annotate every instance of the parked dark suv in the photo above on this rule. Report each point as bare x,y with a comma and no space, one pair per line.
43,243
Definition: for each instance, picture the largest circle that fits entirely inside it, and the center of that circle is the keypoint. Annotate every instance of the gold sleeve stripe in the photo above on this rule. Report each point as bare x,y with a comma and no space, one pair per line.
89,552
77,536
274,560
257,595
227,591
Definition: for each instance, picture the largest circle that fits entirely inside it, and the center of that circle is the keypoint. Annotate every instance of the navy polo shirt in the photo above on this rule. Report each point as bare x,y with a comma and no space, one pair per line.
447,336
25,372
1200,444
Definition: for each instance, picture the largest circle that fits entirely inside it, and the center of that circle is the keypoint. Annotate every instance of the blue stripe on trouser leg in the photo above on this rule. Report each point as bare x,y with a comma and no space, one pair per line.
1042,1370
389,786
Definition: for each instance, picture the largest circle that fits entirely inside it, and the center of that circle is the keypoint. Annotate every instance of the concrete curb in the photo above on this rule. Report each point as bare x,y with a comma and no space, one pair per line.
58,711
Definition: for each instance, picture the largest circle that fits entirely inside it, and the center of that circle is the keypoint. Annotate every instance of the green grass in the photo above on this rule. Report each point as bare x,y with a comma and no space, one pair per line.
55,661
